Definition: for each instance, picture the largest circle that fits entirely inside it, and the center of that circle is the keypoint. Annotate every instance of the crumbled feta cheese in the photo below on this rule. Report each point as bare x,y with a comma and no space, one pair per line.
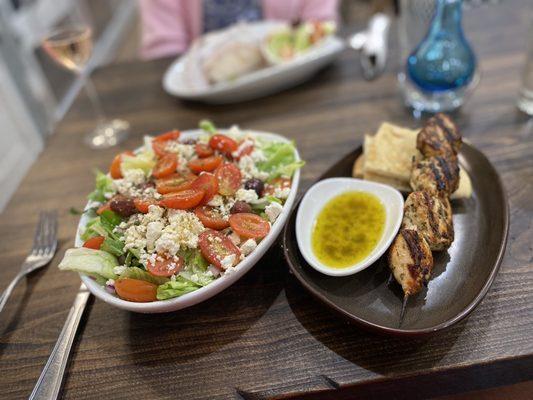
184,150
282,193
235,239
247,195
135,237
227,262
153,232
119,269
151,192
126,188
248,246
134,176
216,201
182,231
257,155
155,213
273,210
110,282
249,170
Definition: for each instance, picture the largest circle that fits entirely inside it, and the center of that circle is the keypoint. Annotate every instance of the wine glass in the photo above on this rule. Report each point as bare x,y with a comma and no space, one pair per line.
71,47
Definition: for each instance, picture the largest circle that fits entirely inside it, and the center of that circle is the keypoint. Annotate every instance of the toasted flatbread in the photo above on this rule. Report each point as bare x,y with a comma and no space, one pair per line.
390,152
401,181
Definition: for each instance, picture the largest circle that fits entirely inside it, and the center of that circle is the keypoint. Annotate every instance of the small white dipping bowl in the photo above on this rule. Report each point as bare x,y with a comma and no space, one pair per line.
322,192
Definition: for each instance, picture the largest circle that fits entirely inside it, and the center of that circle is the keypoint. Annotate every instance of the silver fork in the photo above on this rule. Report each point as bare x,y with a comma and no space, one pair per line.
44,247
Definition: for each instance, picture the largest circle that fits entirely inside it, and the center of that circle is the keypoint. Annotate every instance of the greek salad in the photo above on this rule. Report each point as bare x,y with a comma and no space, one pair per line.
179,213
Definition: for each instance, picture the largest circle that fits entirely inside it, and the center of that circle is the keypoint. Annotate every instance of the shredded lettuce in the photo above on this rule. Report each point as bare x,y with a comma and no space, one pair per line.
280,159
104,187
95,263
104,225
193,276
176,288
261,204
142,275
144,161
207,126
195,269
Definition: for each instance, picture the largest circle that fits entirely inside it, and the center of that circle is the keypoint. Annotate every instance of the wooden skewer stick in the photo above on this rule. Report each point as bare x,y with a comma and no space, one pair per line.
404,306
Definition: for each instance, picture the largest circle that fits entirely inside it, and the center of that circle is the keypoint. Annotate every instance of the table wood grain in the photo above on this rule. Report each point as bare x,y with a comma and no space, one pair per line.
265,337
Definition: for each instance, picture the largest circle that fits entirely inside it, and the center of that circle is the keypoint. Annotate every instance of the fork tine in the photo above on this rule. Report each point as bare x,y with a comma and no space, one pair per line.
51,239
39,232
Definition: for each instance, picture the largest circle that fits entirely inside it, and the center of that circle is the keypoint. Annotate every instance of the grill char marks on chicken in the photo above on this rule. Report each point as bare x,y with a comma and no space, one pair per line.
438,175
439,137
431,217
410,260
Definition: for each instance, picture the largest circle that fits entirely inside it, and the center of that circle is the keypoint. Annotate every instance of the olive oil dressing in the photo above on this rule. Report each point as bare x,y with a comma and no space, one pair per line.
348,228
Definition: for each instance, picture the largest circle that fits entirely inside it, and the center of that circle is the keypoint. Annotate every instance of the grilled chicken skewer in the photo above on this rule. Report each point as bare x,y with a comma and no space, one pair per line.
432,217
427,222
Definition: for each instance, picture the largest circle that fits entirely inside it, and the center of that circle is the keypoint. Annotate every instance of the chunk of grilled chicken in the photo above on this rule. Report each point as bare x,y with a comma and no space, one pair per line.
431,216
439,137
410,260
437,175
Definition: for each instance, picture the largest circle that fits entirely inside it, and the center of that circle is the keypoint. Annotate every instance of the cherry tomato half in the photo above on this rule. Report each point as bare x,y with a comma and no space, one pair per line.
246,150
114,169
207,164
211,218
163,266
136,290
142,205
223,143
208,183
229,179
103,208
94,242
203,150
249,225
175,183
182,200
214,246
159,143
165,166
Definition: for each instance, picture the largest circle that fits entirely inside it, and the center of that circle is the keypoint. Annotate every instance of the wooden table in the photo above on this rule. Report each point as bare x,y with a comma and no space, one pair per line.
265,337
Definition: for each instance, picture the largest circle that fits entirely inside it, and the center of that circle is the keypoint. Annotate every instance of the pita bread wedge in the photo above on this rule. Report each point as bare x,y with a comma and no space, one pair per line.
391,151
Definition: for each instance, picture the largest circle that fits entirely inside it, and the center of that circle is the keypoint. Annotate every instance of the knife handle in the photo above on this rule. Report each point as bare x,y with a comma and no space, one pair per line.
49,383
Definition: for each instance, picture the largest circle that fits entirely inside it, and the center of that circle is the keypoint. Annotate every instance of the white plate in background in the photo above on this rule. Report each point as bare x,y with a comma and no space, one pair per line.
262,82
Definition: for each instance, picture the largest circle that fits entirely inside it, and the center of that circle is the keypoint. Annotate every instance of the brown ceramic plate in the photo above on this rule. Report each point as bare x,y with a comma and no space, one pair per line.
461,276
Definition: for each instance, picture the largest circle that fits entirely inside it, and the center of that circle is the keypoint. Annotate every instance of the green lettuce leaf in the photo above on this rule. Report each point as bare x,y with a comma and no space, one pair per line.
104,186
280,160
176,288
96,263
142,275
207,126
195,269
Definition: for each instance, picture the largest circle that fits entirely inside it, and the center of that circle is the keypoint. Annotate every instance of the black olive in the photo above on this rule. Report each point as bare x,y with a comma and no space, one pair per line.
255,184
123,206
240,207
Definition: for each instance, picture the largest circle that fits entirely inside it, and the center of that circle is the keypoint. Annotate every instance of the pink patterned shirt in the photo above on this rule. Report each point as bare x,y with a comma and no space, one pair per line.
169,26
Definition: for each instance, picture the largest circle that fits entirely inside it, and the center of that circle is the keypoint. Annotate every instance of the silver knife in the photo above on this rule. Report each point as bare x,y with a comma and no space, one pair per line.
49,383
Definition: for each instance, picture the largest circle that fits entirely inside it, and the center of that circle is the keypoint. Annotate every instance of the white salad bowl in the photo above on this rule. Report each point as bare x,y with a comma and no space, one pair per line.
316,198
218,284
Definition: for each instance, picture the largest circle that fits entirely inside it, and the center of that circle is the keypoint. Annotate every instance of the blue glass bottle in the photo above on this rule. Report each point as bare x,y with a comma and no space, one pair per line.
442,67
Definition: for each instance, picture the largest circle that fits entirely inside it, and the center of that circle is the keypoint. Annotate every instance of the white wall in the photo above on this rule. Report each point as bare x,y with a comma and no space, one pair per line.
20,142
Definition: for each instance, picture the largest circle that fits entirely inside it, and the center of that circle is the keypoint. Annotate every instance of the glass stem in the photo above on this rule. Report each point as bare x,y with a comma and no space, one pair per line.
95,99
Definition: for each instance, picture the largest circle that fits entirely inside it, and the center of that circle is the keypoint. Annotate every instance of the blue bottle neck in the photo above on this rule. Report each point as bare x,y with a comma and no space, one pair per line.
448,15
